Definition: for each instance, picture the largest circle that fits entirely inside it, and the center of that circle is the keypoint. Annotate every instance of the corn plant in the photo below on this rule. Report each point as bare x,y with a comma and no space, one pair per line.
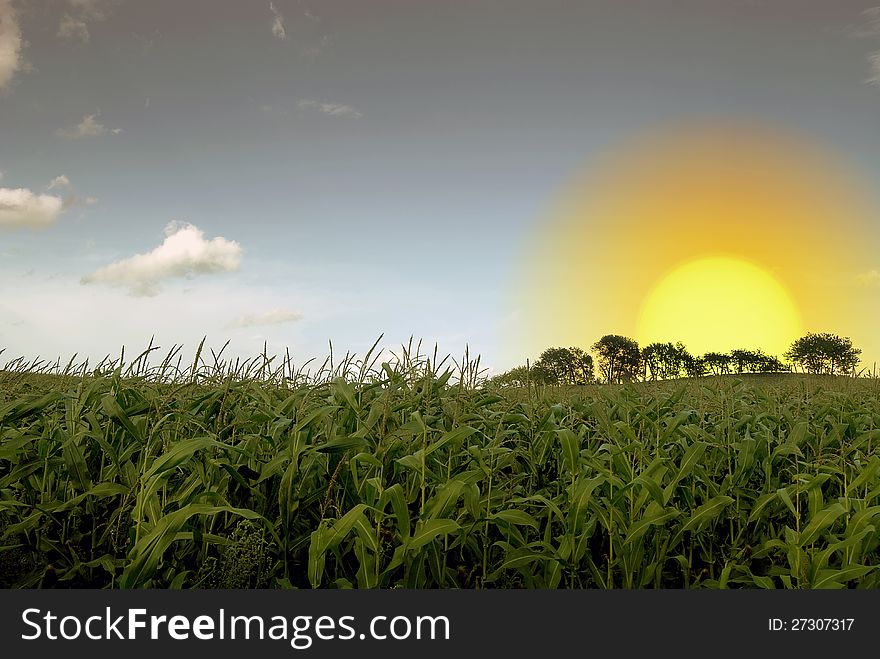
417,473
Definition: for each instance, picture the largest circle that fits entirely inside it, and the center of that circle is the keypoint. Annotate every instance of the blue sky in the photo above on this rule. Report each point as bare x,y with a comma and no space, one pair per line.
362,167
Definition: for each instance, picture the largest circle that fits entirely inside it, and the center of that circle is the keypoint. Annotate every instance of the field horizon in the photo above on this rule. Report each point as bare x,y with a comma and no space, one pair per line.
638,240
408,479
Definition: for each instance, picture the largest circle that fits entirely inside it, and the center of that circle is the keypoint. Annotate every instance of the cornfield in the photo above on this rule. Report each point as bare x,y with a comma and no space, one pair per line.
413,475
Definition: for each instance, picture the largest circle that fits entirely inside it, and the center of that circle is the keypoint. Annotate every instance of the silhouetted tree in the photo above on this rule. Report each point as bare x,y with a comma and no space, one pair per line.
659,361
565,366
518,376
581,371
538,373
745,361
693,367
824,353
619,358
717,363
554,366
668,360
755,361
770,364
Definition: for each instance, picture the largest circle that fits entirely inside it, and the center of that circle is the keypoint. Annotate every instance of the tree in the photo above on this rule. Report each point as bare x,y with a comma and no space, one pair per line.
515,377
581,367
739,359
755,361
659,361
824,353
694,367
619,358
717,363
554,366
667,360
565,366
652,361
770,364
746,361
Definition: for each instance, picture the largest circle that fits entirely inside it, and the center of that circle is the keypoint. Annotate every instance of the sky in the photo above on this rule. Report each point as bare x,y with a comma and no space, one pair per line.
299,173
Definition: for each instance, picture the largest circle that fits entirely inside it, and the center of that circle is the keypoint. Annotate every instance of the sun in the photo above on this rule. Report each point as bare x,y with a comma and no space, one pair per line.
720,234
719,304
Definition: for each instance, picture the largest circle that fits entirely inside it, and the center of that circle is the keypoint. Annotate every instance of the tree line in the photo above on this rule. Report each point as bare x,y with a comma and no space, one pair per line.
619,359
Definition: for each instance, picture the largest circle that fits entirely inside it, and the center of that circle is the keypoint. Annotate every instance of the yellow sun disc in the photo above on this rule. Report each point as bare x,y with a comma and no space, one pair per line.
719,234
720,303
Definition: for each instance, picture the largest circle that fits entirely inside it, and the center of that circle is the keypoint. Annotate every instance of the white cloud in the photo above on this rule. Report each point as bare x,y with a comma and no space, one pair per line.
874,63
870,26
72,28
59,182
870,278
10,43
331,109
88,127
273,317
91,9
184,253
174,317
22,209
278,30
74,23
71,198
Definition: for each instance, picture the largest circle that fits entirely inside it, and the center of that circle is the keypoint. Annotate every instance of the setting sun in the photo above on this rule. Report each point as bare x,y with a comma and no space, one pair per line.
721,235
718,303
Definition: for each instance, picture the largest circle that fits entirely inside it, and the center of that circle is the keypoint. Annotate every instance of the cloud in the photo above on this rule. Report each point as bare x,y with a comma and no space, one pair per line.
184,253
88,127
74,24
22,209
870,28
273,317
332,109
90,9
71,198
10,43
874,64
870,278
73,29
59,182
870,25
278,30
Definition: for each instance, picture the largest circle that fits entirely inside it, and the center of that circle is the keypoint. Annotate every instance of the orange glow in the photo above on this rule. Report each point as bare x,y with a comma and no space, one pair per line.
746,192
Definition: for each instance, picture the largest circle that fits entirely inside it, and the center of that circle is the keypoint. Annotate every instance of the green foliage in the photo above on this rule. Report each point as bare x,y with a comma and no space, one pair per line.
556,366
410,478
572,366
519,376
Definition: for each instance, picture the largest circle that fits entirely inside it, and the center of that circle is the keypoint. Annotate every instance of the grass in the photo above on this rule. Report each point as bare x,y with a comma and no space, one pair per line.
256,474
